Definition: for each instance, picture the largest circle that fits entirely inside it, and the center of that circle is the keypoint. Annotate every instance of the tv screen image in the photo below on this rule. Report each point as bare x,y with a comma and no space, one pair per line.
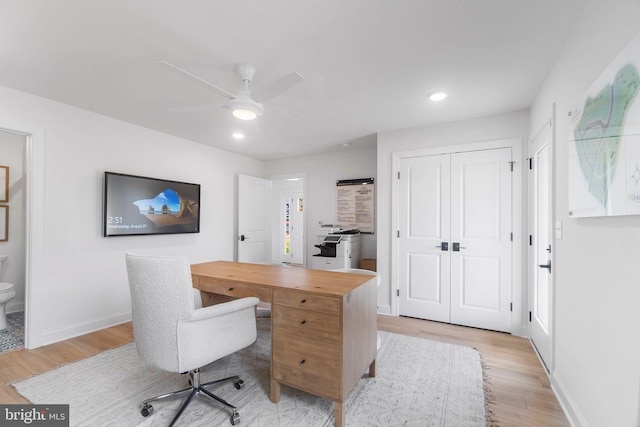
136,205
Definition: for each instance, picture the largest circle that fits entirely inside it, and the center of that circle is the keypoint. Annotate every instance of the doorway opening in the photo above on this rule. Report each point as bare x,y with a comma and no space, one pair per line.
289,224
13,239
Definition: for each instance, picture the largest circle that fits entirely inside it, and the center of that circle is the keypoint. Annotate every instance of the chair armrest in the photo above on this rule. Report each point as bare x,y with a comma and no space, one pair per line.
222,309
215,331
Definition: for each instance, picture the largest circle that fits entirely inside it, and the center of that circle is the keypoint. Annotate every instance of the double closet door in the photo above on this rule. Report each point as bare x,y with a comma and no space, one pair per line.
455,261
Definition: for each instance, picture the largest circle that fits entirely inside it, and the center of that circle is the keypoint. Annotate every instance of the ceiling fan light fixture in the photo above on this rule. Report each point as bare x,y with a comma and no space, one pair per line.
245,108
244,114
437,96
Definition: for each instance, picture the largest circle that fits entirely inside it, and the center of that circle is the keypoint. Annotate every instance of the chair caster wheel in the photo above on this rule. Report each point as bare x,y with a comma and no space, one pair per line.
235,419
146,410
239,384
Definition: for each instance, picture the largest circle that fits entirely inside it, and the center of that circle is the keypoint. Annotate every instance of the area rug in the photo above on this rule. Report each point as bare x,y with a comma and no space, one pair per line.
12,337
418,383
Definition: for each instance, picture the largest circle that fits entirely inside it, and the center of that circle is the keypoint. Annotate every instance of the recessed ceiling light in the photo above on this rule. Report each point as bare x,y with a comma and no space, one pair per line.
238,135
437,96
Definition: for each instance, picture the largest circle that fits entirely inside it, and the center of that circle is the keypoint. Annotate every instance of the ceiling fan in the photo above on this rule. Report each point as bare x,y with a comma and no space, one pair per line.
245,104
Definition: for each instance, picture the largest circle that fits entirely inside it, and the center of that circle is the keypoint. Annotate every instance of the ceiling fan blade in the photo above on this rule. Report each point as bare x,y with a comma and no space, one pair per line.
275,88
297,113
191,108
199,80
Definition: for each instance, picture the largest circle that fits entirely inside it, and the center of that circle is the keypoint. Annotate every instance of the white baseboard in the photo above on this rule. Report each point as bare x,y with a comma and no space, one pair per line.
574,415
384,309
14,307
50,337
522,332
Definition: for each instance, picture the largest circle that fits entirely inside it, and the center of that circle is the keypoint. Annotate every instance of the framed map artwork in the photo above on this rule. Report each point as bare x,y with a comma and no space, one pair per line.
604,141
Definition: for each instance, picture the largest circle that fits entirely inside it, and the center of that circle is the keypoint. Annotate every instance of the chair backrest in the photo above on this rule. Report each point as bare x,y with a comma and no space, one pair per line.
161,294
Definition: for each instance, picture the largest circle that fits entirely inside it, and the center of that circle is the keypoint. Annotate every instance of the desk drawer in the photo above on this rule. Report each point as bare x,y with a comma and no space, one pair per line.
306,321
237,290
307,362
308,301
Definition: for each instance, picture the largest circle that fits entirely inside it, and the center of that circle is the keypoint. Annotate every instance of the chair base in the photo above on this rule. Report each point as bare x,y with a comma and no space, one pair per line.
196,389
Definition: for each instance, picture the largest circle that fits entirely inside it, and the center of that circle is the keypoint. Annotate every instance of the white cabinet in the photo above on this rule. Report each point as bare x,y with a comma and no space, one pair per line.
326,263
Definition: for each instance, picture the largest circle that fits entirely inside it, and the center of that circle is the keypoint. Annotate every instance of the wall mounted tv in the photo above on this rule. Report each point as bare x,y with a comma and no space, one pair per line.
136,205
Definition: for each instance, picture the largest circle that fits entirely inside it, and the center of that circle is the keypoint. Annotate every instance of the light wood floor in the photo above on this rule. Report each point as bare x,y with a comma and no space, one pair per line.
519,385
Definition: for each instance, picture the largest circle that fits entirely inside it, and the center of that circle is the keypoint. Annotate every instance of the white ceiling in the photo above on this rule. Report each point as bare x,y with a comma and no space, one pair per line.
369,65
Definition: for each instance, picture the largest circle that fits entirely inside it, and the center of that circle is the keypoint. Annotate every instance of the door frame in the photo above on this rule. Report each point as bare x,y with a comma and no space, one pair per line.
519,322
34,227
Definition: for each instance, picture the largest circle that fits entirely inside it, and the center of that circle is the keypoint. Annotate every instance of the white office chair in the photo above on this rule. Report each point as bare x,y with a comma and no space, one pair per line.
172,335
197,298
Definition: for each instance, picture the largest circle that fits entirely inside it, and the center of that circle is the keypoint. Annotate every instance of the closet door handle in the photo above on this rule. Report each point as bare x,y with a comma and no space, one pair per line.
457,247
444,246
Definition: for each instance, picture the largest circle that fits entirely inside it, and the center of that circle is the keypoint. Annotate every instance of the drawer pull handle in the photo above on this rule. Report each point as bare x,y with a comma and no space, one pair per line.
302,361
303,301
303,322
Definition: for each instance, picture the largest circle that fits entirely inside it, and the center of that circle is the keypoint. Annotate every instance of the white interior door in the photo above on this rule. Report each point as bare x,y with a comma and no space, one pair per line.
254,220
454,247
481,239
541,273
424,227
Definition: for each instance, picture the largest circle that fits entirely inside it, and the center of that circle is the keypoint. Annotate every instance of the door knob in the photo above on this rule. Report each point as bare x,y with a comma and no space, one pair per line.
443,246
457,247
547,265
243,238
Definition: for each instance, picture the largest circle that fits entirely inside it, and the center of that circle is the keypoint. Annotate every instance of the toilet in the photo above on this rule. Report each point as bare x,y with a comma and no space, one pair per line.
7,293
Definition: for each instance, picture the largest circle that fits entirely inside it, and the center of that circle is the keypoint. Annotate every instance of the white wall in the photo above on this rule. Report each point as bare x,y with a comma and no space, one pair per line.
597,343
13,147
512,125
320,200
79,279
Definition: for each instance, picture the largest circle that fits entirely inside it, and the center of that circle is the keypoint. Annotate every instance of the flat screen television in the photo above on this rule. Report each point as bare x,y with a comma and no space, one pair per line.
137,205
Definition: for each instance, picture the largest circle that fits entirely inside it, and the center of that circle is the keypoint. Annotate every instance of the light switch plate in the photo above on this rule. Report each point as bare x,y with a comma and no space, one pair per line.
558,229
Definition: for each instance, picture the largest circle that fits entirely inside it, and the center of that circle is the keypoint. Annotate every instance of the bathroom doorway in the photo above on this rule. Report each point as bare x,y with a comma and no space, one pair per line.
13,242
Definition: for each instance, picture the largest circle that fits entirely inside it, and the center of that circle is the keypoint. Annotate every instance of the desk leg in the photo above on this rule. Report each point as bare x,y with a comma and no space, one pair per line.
372,368
339,414
274,391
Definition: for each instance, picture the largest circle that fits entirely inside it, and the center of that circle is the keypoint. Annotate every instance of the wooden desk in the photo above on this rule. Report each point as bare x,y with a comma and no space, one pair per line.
323,335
